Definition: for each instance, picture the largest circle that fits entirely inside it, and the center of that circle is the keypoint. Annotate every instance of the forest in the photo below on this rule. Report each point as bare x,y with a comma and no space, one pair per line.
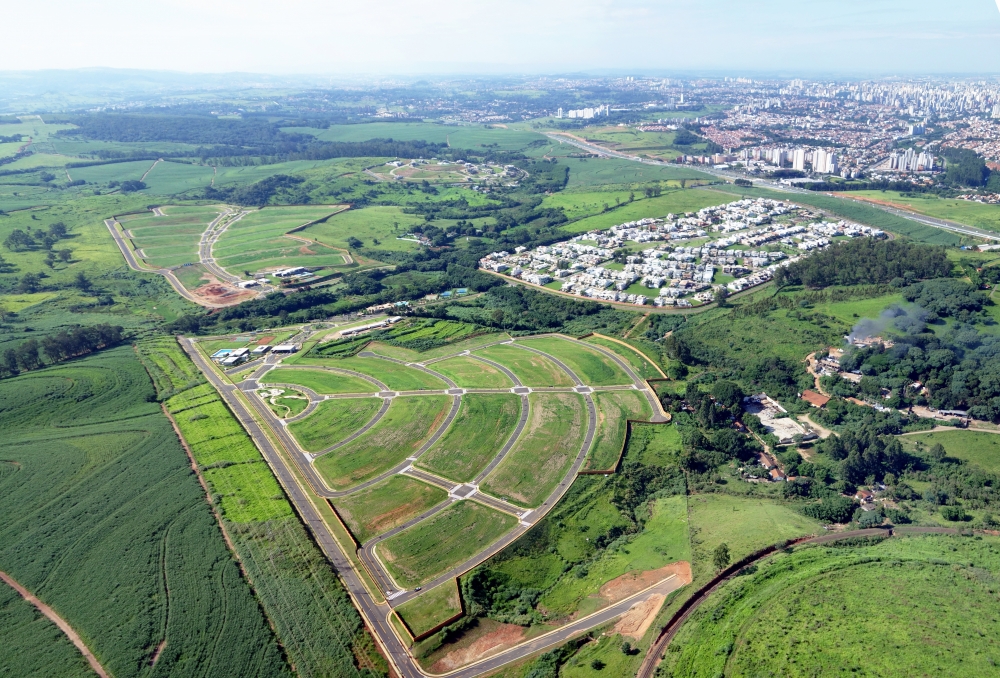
865,261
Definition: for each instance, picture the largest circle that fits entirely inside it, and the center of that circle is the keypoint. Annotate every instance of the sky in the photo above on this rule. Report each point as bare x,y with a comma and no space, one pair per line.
364,37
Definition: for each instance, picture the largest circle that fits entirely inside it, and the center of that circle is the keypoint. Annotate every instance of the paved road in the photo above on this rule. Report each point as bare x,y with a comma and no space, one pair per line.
376,613
943,224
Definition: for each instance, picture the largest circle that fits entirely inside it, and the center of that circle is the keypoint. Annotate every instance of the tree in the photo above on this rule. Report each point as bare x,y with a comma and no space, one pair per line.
58,230
720,557
50,258
18,240
354,243
29,284
938,452
9,361
64,255
597,665
728,394
27,355
721,294
82,283
627,648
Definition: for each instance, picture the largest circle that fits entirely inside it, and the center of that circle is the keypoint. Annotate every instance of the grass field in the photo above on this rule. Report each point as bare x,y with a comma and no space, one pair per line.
431,608
483,424
977,448
910,606
407,425
320,381
671,202
172,178
450,348
397,377
530,368
102,511
118,171
368,224
471,373
639,364
437,544
464,136
540,457
962,211
332,421
171,240
744,524
591,172
613,408
593,368
381,507
258,241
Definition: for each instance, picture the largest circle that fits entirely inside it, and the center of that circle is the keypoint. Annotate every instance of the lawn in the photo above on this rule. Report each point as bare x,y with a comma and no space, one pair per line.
530,368
966,212
391,503
334,420
745,524
434,546
977,448
928,609
547,447
320,381
592,367
678,201
431,608
397,377
407,425
639,364
368,224
613,408
483,425
471,373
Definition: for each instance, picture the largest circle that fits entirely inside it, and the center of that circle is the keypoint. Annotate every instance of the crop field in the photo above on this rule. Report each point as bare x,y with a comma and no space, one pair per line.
471,373
927,605
530,368
258,241
593,368
408,423
334,420
91,449
391,503
639,364
319,628
441,542
589,172
464,136
671,202
118,171
368,224
171,240
321,381
397,377
431,608
744,524
613,408
173,178
580,203
978,448
549,444
483,425
962,211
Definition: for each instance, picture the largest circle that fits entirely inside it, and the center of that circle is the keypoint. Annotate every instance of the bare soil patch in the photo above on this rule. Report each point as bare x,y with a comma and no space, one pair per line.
265,340
639,617
215,291
631,583
500,638
305,250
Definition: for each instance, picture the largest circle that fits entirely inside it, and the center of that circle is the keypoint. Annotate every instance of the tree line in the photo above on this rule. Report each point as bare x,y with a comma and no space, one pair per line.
866,261
63,345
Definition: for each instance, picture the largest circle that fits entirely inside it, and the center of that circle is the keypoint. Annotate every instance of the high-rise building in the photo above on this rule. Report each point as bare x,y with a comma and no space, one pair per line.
799,159
559,112
819,161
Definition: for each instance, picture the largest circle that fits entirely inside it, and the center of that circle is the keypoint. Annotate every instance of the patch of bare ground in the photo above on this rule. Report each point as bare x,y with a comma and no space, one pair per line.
631,583
215,291
639,617
486,639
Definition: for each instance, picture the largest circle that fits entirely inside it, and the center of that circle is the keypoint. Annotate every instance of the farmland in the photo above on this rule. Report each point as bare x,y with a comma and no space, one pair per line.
471,373
320,381
539,460
446,539
613,408
333,421
408,423
530,368
483,424
798,615
381,507
591,367
379,227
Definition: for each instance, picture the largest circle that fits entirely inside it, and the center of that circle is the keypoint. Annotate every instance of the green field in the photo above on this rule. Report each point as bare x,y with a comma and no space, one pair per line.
391,503
320,381
471,373
671,202
966,212
431,608
171,240
33,644
978,448
334,420
592,367
450,348
459,136
102,511
407,425
547,446
483,425
530,368
590,172
744,524
257,241
613,408
639,364
441,542
397,377
910,606
118,171
368,224
173,178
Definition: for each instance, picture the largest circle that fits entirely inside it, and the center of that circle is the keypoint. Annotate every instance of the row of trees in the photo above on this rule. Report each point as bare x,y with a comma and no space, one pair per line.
21,240
66,344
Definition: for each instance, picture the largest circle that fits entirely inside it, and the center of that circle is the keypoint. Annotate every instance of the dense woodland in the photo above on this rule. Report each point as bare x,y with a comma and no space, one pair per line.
864,261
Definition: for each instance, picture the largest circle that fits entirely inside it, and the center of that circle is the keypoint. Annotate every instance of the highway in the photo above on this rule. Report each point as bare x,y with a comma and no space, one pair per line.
934,222
376,613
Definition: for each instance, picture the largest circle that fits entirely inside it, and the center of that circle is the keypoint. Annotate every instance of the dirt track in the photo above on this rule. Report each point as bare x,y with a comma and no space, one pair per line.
60,622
